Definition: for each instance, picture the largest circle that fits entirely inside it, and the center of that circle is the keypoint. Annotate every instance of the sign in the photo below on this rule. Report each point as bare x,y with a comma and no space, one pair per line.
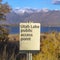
29,36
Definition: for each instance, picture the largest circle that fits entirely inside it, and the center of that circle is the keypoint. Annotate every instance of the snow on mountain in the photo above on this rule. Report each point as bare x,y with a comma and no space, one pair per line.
24,10
44,10
29,10
43,16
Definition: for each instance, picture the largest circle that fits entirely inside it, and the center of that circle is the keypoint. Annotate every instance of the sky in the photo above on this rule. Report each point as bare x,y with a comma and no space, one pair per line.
38,4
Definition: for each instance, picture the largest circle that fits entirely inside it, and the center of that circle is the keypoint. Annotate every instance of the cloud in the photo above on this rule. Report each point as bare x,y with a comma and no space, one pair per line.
57,2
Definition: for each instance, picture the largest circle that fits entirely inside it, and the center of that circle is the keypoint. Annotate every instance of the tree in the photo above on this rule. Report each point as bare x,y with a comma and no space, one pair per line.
4,9
0,0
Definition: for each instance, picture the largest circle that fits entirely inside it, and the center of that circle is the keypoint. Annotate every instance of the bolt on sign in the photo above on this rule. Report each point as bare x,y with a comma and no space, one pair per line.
29,37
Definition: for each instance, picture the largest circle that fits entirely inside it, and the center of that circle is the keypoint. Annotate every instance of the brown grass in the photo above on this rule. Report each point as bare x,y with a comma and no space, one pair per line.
50,48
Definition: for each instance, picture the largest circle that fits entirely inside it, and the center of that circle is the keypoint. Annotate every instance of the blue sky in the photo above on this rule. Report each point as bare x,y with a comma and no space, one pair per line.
39,4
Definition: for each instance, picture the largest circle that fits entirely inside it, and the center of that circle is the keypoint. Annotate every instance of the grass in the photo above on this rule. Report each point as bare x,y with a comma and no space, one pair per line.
50,48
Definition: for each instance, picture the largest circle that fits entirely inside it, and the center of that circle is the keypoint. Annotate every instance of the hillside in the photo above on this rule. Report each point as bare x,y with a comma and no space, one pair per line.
49,46
44,16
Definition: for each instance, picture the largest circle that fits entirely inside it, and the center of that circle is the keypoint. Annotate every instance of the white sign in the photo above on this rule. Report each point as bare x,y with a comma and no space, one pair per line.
29,36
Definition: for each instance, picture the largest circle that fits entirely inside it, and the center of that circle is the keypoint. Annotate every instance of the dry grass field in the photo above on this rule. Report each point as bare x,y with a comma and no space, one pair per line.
50,48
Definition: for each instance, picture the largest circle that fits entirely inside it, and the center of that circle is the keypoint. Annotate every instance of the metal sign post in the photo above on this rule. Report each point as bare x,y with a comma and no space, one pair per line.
29,56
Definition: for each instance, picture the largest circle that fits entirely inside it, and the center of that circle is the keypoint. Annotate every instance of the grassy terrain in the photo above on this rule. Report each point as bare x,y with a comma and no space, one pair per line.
50,48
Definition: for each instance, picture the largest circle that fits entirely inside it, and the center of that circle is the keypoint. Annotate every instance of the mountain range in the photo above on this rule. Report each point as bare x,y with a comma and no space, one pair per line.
44,16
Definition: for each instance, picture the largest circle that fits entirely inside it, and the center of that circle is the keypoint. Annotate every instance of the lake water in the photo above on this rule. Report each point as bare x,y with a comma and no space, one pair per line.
15,29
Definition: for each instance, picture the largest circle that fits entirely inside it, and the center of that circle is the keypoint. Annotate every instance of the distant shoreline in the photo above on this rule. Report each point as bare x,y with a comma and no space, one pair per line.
44,25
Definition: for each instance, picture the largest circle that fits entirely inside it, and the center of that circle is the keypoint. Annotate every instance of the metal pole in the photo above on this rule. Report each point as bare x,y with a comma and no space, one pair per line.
29,56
